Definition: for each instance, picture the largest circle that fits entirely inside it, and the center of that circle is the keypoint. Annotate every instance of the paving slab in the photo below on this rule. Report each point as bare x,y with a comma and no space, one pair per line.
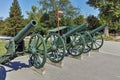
97,66
111,47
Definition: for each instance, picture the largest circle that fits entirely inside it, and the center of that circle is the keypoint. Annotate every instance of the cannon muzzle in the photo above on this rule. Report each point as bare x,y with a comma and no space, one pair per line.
25,31
98,29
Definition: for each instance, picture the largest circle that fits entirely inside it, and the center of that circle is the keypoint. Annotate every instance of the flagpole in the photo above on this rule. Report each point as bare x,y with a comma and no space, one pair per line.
58,18
58,23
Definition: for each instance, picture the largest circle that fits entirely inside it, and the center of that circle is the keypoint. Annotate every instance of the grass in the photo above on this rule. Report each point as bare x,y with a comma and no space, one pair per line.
116,40
3,43
110,38
2,47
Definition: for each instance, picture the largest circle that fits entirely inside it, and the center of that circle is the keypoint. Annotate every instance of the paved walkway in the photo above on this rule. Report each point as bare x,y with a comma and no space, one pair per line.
110,47
98,66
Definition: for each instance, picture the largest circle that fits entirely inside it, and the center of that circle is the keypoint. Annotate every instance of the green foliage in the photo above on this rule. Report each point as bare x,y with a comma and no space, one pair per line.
1,22
40,30
46,17
102,19
2,49
79,20
52,22
14,22
109,10
1,26
36,14
45,4
66,21
110,38
50,6
116,25
93,22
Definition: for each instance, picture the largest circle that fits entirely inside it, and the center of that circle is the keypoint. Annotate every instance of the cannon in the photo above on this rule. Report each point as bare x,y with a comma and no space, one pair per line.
36,47
93,38
55,47
97,37
66,40
75,42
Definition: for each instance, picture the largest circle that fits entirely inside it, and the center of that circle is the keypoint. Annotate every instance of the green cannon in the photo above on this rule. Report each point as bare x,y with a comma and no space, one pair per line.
93,38
55,47
67,40
97,37
75,42
36,47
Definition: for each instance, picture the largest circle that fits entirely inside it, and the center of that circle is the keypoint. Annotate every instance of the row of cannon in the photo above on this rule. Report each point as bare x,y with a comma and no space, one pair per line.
55,47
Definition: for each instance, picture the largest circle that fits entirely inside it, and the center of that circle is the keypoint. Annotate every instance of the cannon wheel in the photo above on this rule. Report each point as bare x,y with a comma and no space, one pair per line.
97,40
55,47
77,46
37,50
88,42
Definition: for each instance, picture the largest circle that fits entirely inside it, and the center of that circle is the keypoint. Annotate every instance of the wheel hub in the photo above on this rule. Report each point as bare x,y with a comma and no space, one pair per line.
54,47
73,43
34,51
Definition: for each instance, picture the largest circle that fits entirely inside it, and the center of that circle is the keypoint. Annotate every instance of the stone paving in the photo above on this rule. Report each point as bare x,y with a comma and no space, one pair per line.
103,65
112,48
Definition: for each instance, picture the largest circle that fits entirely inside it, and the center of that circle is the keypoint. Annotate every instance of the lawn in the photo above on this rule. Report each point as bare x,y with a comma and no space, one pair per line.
2,47
111,38
3,43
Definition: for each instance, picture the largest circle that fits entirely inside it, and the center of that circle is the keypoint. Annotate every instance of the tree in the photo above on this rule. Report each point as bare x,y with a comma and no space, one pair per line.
109,10
14,23
93,22
46,16
50,7
36,14
45,5
66,21
79,20
1,21
1,25
116,25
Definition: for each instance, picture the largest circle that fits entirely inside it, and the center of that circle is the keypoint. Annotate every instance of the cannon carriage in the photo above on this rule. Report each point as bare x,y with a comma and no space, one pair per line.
36,47
95,40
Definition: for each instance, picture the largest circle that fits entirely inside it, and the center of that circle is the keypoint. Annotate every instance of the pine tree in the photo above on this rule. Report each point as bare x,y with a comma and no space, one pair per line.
15,19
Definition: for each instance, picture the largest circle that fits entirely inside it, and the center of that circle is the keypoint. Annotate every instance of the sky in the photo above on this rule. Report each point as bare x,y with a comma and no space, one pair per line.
25,5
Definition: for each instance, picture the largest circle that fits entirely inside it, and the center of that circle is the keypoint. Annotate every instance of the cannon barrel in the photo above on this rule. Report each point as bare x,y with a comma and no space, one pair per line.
98,29
75,30
12,50
25,31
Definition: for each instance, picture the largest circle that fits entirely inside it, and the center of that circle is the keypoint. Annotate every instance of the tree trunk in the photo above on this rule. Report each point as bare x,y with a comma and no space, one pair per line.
106,31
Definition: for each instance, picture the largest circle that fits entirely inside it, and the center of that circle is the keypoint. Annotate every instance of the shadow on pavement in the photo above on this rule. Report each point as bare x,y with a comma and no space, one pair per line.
16,65
2,73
